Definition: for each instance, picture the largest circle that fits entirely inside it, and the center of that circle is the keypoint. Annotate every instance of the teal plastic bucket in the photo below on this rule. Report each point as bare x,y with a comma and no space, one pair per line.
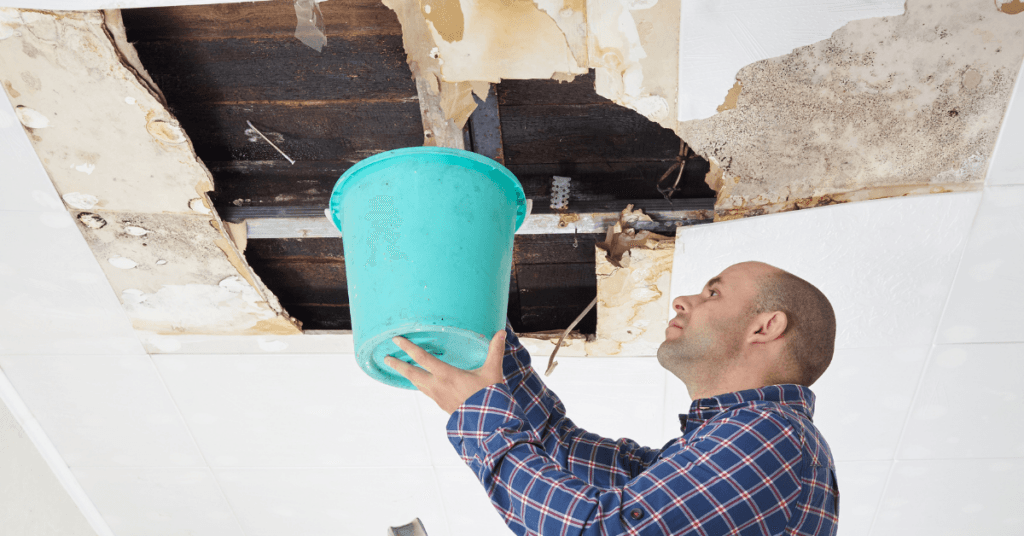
428,235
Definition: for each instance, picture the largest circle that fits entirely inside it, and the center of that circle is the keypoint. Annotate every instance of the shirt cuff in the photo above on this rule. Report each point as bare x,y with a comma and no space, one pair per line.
483,425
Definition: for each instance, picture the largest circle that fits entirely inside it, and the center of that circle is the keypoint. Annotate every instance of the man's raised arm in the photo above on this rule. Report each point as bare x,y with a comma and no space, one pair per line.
594,459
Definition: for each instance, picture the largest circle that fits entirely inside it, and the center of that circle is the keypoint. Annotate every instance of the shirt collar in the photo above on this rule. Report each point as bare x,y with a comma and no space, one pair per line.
797,397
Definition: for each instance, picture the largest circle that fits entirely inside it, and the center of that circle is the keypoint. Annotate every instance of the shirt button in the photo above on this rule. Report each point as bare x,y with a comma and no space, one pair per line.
636,513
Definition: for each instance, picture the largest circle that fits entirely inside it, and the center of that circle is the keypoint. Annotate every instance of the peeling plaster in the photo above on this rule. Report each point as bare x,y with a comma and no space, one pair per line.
167,255
634,272
861,115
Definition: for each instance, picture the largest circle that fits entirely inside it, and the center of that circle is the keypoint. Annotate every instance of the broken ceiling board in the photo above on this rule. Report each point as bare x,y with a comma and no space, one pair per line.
445,106
54,63
172,275
893,106
717,39
617,53
632,301
513,39
263,19
135,186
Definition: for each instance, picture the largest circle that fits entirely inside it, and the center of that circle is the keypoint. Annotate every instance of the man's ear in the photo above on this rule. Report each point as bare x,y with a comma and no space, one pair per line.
768,327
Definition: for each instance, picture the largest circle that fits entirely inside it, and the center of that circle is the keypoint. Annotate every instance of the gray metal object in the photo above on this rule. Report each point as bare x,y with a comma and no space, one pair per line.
415,528
485,127
586,217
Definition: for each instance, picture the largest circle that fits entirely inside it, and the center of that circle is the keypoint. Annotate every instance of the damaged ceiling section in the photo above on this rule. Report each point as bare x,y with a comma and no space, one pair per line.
459,44
848,118
859,115
129,176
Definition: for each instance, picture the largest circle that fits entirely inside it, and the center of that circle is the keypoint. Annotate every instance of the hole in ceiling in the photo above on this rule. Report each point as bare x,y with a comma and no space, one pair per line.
223,65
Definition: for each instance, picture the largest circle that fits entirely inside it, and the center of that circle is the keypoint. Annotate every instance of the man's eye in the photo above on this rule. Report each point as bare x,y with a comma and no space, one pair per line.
712,291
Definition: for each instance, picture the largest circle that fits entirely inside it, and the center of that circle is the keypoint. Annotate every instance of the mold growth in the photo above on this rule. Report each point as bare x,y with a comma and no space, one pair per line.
864,111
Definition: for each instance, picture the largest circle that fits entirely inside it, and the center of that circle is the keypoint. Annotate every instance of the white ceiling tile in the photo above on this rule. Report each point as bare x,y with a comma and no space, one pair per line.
435,422
1007,165
26,185
860,490
613,397
159,501
677,401
985,300
469,509
293,410
968,405
331,500
863,398
876,261
103,410
54,299
953,498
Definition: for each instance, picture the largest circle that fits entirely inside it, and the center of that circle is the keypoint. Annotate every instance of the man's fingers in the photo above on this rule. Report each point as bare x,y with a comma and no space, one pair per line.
415,375
421,356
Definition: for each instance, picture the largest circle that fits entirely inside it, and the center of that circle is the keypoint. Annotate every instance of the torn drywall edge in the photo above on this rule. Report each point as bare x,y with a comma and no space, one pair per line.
66,50
615,54
710,55
629,297
851,115
53,62
501,40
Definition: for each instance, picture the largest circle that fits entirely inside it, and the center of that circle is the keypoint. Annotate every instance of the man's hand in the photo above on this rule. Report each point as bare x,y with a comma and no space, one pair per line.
447,385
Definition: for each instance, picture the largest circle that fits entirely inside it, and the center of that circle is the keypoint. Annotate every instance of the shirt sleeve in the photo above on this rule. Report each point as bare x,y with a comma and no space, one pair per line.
741,471
596,460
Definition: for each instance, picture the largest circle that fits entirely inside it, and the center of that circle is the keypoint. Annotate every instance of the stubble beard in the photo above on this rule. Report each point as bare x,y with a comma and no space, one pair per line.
699,356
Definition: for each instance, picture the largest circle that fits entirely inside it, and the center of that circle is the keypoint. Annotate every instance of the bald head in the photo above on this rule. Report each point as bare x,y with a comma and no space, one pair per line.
811,322
752,325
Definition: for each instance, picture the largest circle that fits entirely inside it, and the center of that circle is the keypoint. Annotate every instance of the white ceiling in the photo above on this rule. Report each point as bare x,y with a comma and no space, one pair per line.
919,405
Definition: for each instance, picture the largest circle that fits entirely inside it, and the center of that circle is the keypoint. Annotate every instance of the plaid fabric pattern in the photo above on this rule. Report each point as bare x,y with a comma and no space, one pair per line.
748,463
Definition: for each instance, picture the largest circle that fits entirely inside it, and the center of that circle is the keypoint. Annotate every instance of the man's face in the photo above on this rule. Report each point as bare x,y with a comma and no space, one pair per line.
708,328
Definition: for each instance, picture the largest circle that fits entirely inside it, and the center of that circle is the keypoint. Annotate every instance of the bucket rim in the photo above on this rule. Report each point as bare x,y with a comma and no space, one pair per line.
342,184
373,349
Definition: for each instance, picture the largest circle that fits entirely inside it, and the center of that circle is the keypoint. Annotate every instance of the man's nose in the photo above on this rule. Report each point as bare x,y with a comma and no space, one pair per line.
681,304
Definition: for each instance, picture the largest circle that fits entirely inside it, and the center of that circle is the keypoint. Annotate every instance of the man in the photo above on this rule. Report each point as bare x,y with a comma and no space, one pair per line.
749,461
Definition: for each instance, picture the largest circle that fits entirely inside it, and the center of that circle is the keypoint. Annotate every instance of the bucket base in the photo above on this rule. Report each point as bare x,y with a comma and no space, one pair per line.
458,347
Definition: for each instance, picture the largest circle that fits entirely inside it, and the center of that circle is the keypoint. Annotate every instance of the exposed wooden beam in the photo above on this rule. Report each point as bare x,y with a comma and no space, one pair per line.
586,217
485,127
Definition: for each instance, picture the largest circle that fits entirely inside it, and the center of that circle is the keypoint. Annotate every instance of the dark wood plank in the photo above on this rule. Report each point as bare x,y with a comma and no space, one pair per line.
261,249
555,317
597,133
556,284
363,67
214,21
593,181
555,249
531,92
276,183
304,281
313,132
320,316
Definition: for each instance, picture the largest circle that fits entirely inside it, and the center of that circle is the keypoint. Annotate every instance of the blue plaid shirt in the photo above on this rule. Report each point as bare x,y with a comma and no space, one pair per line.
748,463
